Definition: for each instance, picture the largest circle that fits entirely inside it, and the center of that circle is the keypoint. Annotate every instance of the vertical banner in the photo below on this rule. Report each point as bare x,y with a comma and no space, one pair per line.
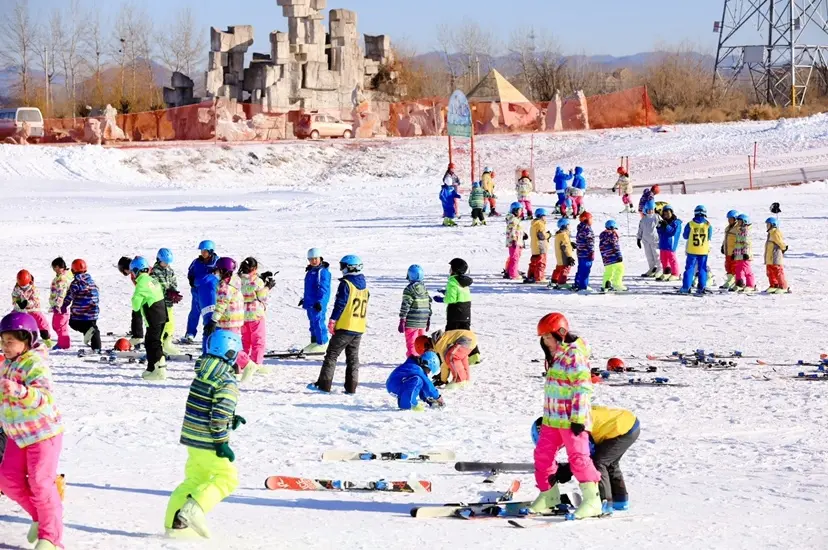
459,116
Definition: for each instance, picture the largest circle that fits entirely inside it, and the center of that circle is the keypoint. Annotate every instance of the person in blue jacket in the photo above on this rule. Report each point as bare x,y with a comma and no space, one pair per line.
207,293
577,192
201,266
669,235
411,382
448,196
698,233
561,180
315,300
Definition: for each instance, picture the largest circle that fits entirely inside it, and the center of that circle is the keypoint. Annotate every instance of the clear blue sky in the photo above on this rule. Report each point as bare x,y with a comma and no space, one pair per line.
616,27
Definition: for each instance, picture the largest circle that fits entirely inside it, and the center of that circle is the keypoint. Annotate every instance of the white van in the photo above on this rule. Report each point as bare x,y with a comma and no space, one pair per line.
11,120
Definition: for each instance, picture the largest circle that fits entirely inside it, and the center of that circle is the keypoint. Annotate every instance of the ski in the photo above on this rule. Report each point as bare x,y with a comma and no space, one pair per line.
308,484
658,381
497,466
427,456
502,504
812,376
546,520
298,354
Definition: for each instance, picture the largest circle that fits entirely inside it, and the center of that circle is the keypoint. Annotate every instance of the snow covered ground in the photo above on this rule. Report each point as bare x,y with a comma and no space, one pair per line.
733,460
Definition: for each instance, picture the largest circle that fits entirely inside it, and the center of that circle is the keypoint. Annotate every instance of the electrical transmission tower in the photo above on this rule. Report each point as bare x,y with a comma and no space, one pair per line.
779,46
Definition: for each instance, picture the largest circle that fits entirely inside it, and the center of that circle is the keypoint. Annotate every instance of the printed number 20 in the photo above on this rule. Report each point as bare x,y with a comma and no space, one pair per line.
360,308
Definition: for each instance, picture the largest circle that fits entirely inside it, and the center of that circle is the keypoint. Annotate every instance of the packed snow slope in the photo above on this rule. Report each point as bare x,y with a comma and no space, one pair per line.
732,460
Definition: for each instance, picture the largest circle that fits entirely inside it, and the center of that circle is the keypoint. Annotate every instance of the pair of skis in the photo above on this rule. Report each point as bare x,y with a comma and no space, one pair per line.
292,354
657,381
438,455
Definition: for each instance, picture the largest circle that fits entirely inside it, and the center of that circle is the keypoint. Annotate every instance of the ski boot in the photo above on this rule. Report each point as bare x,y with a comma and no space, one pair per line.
157,375
607,287
547,501
772,290
621,504
474,222
606,508
448,222
494,213
192,516
419,407
591,505
249,371
729,282
43,544
684,291
315,348
31,536
651,273
484,222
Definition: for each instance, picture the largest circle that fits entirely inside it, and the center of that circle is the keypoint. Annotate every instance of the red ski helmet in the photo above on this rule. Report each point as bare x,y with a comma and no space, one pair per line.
122,344
78,266
422,344
615,364
553,323
24,278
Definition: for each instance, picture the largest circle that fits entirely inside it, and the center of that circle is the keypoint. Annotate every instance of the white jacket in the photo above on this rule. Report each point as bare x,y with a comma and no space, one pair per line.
648,229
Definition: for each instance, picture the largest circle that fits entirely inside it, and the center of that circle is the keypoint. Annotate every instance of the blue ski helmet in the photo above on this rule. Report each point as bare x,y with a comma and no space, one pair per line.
563,222
225,345
430,360
744,218
649,206
611,224
476,184
773,221
165,255
415,273
540,212
515,206
732,214
487,170
139,264
207,245
536,428
667,207
350,264
314,253
700,210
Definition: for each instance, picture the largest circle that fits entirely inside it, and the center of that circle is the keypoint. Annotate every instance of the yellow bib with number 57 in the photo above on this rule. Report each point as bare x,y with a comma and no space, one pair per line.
353,317
698,243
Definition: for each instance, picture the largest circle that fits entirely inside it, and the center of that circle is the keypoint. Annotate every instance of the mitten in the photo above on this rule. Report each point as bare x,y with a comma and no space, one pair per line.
439,403
638,242
576,428
570,262
21,303
174,296
786,249
564,473
223,450
437,380
401,326
301,302
723,248
331,325
266,275
238,420
317,307
439,299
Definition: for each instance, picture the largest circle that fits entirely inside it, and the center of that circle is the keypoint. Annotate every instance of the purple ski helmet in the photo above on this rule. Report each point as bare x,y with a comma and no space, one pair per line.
18,320
226,264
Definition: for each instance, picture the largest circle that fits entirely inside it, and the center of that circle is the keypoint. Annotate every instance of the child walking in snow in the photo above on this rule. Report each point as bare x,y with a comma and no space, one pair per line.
209,418
647,238
728,246
697,233
624,184
567,418
585,243
515,239
477,200
564,256
458,301
315,300
448,198
26,298
255,290
742,256
31,420
164,274
523,189
775,249
610,246
561,180
410,382
540,248
82,297
415,310
669,234
578,191
57,293
148,306
488,182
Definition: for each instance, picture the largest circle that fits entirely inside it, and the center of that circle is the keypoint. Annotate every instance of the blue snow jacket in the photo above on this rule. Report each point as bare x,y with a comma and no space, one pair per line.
317,286
343,294
669,234
579,181
447,195
207,291
561,180
82,296
411,369
585,242
200,268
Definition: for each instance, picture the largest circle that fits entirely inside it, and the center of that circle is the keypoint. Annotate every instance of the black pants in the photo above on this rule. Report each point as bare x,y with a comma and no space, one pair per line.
83,327
156,316
477,214
349,342
606,460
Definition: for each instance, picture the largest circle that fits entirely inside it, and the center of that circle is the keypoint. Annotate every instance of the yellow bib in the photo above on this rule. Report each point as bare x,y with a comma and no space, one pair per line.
353,317
698,242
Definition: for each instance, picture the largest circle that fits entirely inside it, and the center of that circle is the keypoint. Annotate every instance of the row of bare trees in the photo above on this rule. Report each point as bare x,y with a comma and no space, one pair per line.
71,58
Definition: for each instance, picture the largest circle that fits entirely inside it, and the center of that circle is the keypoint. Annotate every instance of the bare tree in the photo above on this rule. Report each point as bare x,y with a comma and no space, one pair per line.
17,37
181,44
70,26
467,50
94,45
48,44
445,43
541,64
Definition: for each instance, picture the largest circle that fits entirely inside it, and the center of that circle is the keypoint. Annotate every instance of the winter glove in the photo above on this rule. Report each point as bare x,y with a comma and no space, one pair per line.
570,262
525,237
174,296
301,303
223,450
441,291
576,428
13,389
331,326
564,473
723,248
238,420
786,249
439,299
638,242
437,380
209,328
401,326
266,275
317,307
439,403
21,303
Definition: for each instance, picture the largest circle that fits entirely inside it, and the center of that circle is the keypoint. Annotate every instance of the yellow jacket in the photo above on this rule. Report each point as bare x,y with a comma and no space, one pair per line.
488,184
449,338
775,247
730,239
563,247
540,238
610,423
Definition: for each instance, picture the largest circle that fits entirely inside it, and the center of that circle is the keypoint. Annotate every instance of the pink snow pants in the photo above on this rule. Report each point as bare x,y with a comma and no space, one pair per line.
27,476
254,339
577,449
411,335
527,206
457,357
242,359
744,273
513,263
626,199
669,261
60,324
577,205
40,319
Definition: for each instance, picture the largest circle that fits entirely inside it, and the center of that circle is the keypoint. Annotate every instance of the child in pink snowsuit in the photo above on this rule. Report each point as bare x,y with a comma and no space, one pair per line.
255,290
514,241
229,312
567,416
32,422
415,311
58,290
742,255
26,298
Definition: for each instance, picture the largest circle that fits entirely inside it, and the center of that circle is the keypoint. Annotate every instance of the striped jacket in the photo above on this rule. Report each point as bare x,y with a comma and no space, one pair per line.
83,297
34,417
416,306
514,232
585,242
524,188
743,248
211,405
58,290
255,295
610,247
229,310
568,388
29,294
477,197
166,278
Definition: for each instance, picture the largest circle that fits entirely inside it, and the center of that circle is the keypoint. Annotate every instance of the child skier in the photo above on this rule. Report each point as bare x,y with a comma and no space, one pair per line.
448,198
450,178
514,241
647,238
775,249
488,182
255,290
697,233
148,305
82,296
613,432
209,417
610,246
164,274
415,310
567,418
455,348
564,256
524,188
202,266
585,243
742,256
59,288
669,234
477,200
646,197
347,325
458,301
410,382
315,300
624,184
578,191
540,248
229,312
26,299
561,180
31,420
728,245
